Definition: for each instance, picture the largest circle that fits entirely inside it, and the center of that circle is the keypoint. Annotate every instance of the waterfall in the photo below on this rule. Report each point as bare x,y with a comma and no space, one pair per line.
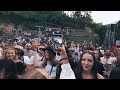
110,35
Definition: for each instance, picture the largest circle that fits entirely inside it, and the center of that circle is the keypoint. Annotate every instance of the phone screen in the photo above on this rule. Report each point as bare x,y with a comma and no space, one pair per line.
58,40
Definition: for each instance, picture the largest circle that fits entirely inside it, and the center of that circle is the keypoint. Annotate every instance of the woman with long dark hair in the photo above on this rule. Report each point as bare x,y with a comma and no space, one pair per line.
86,69
49,63
100,68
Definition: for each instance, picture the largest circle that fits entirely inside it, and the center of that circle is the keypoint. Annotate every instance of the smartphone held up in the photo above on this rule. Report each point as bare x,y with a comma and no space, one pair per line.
58,39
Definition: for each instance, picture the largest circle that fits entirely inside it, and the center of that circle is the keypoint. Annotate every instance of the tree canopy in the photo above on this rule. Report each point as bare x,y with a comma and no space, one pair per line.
59,18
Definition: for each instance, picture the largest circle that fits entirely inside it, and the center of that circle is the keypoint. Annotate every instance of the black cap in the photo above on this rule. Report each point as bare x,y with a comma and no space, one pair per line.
49,49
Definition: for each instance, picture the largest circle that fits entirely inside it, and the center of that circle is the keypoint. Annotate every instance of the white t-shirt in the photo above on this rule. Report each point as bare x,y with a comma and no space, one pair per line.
1,50
31,60
102,51
67,72
77,49
58,57
29,53
27,60
48,68
108,64
111,60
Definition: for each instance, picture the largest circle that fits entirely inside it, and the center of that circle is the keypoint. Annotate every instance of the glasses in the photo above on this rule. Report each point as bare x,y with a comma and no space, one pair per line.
76,54
28,46
40,48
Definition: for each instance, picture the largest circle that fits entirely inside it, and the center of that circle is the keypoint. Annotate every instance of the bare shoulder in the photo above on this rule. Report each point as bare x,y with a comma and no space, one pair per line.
100,76
44,72
18,61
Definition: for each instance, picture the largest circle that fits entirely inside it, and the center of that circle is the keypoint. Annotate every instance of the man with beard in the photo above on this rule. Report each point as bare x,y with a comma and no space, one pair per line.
40,54
27,51
108,62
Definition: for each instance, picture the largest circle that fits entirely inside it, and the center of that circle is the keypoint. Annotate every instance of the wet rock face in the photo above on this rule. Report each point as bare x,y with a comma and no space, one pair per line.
110,34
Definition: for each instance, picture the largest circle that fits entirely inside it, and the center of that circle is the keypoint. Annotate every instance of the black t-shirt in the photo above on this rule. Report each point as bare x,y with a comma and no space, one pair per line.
20,68
100,68
115,73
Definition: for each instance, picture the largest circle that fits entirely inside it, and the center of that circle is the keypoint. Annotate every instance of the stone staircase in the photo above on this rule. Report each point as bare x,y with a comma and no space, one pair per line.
81,35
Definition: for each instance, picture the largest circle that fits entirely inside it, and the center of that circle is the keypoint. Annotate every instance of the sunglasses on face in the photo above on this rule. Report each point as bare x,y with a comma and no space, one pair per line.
40,48
28,46
76,54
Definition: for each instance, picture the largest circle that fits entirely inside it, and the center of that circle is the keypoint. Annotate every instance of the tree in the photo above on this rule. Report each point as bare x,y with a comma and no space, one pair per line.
77,14
31,18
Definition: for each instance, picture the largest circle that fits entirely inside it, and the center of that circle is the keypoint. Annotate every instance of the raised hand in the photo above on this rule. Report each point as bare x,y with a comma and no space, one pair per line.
63,54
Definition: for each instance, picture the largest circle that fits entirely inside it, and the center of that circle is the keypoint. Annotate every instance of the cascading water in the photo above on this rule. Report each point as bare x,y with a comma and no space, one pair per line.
110,35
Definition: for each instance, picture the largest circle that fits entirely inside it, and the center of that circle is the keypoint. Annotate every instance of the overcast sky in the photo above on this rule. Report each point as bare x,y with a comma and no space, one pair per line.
106,17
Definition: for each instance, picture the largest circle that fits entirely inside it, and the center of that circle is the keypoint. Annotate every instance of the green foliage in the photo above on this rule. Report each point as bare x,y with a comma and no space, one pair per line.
29,19
58,18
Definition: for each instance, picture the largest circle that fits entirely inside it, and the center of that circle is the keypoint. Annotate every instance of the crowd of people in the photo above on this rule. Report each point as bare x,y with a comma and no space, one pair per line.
31,59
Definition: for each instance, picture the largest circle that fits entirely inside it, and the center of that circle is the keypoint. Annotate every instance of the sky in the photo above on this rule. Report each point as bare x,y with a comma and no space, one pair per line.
106,17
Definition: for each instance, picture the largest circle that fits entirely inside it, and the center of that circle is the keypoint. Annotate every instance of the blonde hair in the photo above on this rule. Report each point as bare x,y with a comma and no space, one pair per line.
35,73
6,50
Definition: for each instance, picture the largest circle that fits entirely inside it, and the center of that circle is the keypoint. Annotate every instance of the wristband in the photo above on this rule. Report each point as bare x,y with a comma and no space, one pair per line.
63,59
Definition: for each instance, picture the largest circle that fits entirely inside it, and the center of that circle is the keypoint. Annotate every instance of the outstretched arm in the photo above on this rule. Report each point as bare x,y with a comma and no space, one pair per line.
67,72
36,61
